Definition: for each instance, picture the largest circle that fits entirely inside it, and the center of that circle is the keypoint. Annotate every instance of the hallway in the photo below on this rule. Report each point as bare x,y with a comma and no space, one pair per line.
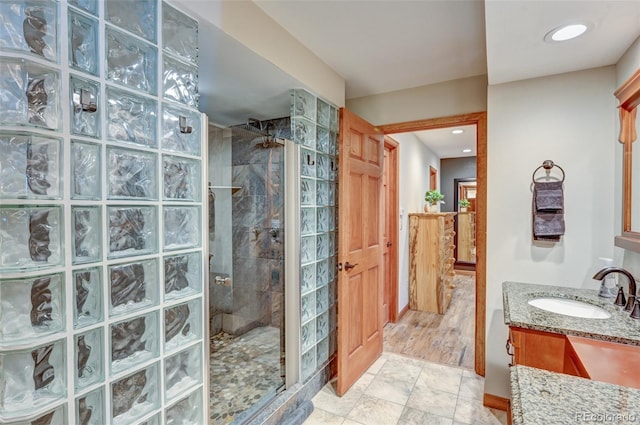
397,390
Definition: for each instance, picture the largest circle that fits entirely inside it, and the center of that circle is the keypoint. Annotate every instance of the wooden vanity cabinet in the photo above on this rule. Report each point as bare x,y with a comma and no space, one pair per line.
543,350
431,261
467,237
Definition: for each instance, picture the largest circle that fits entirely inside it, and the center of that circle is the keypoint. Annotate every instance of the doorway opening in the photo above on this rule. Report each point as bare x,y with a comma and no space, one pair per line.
475,283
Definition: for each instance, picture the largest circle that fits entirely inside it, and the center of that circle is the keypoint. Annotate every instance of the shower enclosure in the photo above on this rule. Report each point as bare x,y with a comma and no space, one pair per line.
246,259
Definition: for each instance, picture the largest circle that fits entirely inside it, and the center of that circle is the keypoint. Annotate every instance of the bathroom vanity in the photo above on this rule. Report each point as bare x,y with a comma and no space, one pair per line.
553,353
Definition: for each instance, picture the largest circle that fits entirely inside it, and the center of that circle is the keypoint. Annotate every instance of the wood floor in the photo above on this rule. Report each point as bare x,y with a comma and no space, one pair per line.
446,339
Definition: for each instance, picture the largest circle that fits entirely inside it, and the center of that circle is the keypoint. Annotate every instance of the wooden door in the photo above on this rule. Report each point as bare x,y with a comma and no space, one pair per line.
390,236
360,248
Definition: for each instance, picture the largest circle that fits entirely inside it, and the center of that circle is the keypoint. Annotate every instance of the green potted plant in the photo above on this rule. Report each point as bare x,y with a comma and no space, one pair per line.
433,199
464,204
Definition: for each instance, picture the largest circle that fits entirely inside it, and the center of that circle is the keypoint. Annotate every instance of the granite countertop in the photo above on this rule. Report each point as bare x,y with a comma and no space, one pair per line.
540,397
620,327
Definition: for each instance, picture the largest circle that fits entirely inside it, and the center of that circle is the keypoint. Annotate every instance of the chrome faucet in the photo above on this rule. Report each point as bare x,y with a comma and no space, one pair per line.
632,304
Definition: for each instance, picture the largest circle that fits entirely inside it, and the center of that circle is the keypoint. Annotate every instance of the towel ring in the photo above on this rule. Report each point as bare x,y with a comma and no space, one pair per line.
547,165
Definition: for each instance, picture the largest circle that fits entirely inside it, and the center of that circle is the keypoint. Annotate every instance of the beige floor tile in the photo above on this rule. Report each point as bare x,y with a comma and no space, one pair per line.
374,411
472,385
441,377
412,416
350,422
322,417
401,371
327,400
390,389
471,411
433,401
363,382
377,365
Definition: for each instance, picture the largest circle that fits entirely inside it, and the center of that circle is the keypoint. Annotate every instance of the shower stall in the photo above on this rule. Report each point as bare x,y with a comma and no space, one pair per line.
246,267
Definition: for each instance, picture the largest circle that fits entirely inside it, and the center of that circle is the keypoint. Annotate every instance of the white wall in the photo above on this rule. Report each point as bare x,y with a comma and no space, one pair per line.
436,100
414,162
570,119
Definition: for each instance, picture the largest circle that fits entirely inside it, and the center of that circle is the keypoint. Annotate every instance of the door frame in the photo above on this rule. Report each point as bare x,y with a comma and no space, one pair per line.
393,221
479,119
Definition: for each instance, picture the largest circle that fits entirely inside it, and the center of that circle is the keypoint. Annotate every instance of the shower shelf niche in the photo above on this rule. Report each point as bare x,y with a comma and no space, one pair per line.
233,189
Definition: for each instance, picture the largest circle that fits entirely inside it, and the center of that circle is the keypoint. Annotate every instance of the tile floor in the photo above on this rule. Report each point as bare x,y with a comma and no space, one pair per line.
398,390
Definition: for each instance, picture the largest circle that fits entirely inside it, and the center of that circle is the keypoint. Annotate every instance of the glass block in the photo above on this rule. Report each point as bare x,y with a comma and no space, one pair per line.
131,174
179,34
90,408
181,178
332,248
307,163
134,341
308,307
322,273
182,275
36,377
57,416
331,269
187,411
322,351
304,104
307,192
333,343
322,326
131,62
133,286
308,249
30,26
139,17
86,182
332,219
87,293
31,237
323,114
308,281
30,94
304,132
182,371
30,166
132,231
333,143
31,307
332,193
322,299
85,98
83,43
90,6
308,336
88,358
182,324
307,221
322,142
322,166
333,168
333,319
181,227
332,293
135,395
308,363
131,118
180,130
180,81
86,225
322,193
322,245
154,420
323,220
333,119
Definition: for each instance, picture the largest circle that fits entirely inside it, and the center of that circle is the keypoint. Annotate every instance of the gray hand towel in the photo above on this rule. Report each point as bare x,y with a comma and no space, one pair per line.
548,196
548,225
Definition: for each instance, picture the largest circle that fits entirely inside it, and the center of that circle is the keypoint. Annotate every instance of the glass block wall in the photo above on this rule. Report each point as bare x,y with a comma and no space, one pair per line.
101,259
314,125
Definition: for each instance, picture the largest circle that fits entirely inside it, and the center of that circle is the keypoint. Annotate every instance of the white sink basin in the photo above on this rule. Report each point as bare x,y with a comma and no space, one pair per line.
570,307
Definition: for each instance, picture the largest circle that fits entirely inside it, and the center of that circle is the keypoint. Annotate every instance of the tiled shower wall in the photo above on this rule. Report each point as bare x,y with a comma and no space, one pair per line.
314,125
101,262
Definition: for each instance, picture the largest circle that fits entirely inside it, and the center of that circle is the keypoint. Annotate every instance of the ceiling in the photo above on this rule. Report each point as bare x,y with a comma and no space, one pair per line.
379,46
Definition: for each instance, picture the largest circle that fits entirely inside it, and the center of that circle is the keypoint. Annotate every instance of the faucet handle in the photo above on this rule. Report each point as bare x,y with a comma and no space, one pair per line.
630,303
635,314
620,299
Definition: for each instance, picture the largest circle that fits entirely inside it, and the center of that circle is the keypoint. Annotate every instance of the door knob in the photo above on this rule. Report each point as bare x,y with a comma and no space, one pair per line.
388,244
348,266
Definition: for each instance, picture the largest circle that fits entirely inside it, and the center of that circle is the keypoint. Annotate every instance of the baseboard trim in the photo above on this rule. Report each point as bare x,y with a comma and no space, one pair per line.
403,312
495,402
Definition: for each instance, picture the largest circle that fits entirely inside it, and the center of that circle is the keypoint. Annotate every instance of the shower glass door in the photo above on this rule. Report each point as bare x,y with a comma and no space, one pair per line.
246,279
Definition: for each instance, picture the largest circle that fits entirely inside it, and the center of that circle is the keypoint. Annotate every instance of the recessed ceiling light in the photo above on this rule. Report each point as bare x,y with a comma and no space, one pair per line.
466,150
566,32
457,131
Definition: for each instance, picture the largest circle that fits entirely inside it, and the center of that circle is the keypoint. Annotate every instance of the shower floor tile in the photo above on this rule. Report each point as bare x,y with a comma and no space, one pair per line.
244,372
